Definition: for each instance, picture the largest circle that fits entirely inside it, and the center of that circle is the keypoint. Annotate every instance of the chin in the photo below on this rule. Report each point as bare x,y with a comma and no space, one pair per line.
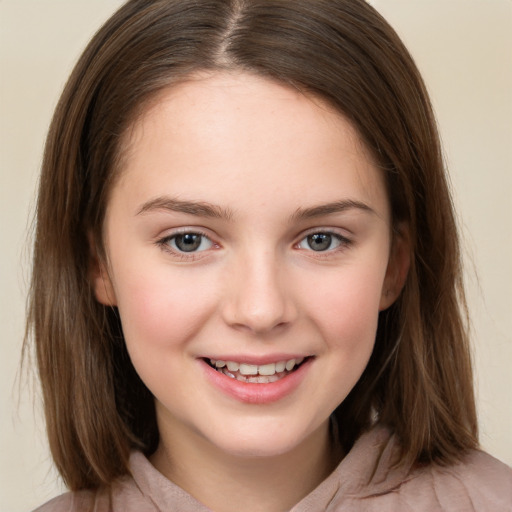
264,440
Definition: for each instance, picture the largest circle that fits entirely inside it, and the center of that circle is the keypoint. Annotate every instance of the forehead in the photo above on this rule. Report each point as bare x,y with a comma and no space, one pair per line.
213,130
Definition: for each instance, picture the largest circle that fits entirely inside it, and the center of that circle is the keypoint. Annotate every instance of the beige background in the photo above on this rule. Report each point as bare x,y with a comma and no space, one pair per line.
463,48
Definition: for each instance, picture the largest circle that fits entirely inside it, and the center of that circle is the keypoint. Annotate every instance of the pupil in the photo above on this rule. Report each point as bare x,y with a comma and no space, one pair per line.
188,242
319,241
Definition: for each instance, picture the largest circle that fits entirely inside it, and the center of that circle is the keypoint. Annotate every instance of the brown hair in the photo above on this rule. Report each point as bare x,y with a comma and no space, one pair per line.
418,381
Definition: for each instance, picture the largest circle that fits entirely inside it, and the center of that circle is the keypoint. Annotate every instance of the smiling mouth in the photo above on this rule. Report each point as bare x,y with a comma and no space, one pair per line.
256,374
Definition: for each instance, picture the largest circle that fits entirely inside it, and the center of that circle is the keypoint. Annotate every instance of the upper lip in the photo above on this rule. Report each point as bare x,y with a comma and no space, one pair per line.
256,360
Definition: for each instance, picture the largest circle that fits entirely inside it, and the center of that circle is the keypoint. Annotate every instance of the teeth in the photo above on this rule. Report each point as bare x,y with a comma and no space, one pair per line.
267,369
264,371
280,367
290,364
248,369
232,366
251,379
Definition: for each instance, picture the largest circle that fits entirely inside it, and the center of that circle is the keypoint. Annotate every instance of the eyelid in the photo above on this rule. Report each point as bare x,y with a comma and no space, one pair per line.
163,243
338,232
345,241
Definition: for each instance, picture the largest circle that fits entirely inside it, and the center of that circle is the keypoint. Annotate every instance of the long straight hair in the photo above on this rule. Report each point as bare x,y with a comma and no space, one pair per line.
418,381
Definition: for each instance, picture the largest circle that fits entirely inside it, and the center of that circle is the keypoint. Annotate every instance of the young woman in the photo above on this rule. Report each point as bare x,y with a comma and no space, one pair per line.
247,289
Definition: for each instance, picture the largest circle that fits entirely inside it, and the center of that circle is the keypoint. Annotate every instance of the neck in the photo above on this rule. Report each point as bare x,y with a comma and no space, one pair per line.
228,483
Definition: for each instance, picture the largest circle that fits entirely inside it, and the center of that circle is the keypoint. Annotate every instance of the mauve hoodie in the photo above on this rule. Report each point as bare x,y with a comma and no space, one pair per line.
365,480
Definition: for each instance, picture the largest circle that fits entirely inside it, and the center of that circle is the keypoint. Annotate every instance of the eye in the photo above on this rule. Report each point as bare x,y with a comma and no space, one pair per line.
188,242
320,242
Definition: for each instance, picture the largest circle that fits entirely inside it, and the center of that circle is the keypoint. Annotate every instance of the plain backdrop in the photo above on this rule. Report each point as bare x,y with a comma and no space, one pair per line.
464,50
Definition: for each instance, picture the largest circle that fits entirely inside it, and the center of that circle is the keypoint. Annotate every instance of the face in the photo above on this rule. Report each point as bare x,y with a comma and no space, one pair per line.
248,242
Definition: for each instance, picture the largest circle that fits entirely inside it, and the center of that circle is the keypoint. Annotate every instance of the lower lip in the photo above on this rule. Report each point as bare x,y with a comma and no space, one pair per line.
253,393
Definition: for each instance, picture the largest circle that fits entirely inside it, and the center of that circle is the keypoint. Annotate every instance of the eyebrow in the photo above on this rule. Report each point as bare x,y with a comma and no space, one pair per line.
201,209
205,209
329,208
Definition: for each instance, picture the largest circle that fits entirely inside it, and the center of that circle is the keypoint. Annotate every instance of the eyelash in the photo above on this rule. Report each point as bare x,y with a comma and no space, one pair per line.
164,244
342,241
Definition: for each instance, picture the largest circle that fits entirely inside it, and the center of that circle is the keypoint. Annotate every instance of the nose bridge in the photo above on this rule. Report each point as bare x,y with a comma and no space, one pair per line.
258,298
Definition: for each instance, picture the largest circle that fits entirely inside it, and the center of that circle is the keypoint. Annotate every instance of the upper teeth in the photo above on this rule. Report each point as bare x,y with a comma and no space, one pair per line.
253,369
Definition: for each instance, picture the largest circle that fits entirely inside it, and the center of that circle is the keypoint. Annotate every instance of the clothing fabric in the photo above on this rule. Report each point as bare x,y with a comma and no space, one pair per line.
365,480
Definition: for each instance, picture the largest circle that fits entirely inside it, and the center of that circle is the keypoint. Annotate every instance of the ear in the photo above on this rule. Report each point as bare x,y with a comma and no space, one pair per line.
398,267
99,276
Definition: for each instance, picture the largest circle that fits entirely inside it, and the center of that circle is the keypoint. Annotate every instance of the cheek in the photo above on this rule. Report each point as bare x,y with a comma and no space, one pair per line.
347,305
349,326
345,309
160,310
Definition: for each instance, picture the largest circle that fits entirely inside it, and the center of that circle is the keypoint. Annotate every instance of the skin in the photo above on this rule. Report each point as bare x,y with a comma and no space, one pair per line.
264,157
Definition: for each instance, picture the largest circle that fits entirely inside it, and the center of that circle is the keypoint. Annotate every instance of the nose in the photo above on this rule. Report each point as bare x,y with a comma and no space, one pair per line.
259,298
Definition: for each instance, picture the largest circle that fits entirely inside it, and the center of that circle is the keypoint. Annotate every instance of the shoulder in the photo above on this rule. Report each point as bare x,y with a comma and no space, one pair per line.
80,501
479,482
122,495
143,490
